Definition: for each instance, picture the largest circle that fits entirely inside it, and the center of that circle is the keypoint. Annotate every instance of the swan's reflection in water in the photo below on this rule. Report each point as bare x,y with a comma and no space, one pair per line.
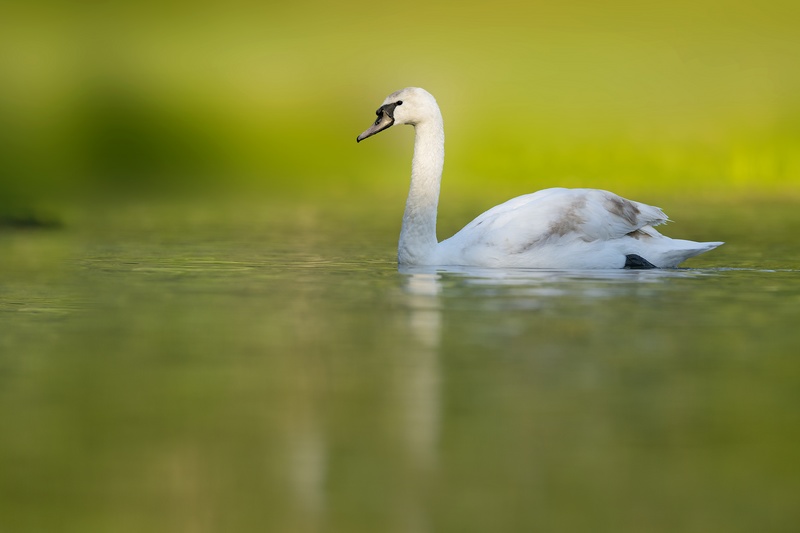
428,291
415,375
531,289
420,381
417,386
419,276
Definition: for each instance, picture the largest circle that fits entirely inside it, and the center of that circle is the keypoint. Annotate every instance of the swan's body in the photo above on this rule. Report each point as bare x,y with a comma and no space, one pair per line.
553,228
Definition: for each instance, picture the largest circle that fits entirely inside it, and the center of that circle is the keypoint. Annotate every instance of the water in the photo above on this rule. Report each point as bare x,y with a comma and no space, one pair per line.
251,369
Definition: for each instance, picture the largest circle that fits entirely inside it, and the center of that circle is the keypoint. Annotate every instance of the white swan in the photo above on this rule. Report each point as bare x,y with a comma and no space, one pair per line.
553,228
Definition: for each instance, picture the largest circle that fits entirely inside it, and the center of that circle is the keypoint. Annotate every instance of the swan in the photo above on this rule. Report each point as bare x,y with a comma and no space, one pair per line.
555,228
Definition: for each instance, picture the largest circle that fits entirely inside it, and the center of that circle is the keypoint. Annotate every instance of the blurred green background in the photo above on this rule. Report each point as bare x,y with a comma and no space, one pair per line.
109,99
252,360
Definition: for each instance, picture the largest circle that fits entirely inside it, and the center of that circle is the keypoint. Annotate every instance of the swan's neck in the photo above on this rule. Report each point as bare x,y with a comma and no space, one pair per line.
418,234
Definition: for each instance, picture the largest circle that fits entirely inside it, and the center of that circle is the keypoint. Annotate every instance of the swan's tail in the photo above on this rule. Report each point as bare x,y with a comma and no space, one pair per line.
681,250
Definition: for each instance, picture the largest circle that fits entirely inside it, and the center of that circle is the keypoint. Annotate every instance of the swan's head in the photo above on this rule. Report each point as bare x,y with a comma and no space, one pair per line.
411,105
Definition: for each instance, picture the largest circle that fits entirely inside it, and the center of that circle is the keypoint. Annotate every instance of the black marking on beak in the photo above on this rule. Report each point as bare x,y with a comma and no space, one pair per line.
385,120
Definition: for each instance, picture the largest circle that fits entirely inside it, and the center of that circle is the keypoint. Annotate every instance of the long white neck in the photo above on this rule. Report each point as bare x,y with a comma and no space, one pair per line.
418,234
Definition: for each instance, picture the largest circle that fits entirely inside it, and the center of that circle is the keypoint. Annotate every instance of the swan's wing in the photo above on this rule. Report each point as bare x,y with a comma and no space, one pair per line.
550,215
567,228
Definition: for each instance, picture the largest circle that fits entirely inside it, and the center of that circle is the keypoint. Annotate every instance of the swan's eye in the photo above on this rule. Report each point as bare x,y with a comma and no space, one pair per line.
399,102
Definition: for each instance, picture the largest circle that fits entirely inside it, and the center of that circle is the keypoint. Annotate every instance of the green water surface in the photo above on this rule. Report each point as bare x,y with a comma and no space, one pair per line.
268,368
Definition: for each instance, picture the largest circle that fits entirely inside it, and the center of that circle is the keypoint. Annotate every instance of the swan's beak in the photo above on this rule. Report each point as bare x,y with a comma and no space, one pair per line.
385,119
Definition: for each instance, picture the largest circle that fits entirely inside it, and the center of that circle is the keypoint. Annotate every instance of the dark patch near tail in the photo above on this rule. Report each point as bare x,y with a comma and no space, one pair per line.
639,234
625,209
637,262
